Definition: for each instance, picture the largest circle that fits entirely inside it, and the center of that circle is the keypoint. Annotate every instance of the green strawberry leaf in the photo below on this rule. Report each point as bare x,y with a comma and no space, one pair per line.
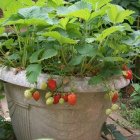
60,38
87,50
32,72
117,14
113,59
35,56
48,54
109,31
76,60
75,10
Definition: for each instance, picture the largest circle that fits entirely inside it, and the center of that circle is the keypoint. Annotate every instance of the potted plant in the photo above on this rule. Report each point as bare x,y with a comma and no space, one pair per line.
62,66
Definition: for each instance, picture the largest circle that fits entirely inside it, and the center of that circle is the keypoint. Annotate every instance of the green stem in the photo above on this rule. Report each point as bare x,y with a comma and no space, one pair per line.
86,31
82,66
24,57
19,42
7,58
100,45
84,60
63,57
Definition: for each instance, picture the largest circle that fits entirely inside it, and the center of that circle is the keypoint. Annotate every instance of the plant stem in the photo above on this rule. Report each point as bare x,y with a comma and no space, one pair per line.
19,42
82,66
7,58
84,60
63,57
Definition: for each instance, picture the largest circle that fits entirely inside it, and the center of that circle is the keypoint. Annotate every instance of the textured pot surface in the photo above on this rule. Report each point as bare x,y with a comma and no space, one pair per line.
32,120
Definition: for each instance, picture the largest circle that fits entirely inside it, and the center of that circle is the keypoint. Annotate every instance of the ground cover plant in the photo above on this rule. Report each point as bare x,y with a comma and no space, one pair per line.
130,104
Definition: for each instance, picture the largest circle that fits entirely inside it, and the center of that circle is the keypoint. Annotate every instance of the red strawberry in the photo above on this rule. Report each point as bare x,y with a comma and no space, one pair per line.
65,97
72,99
56,99
52,84
36,95
129,75
115,97
124,67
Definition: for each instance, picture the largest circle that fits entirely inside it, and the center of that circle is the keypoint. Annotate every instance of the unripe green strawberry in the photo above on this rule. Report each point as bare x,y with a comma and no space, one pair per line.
49,101
7,53
107,96
108,111
61,101
114,107
27,94
44,86
48,94
111,93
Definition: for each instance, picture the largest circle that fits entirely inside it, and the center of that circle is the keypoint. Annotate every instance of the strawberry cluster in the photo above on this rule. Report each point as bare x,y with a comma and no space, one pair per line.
60,98
30,93
52,96
113,95
127,72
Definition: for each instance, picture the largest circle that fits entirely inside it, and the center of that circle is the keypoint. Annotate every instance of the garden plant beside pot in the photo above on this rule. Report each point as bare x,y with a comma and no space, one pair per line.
62,65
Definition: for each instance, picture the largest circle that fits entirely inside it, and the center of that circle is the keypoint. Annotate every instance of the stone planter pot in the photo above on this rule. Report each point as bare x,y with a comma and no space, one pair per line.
32,120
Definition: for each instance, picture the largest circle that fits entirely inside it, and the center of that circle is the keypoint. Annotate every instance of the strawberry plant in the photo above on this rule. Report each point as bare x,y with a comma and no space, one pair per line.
131,4
135,96
58,41
83,39
54,37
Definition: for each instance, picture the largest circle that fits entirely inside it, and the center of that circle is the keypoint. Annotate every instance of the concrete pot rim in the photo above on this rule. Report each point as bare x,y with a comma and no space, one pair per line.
78,84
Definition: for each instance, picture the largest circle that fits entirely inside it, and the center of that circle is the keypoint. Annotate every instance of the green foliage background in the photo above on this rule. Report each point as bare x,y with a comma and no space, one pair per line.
128,4
95,42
